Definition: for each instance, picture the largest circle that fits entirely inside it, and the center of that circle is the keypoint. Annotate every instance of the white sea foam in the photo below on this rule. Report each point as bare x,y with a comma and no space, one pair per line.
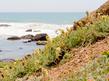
19,29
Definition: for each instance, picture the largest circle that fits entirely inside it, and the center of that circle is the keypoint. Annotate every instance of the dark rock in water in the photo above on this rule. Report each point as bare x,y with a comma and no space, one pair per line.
14,38
20,48
41,42
0,50
4,25
27,41
27,37
40,37
29,30
7,60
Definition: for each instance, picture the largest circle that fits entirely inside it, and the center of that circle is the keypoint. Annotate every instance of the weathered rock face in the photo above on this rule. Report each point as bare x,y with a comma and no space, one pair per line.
93,16
14,38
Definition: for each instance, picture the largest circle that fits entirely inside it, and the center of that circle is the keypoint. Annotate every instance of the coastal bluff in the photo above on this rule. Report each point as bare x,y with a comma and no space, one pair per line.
92,16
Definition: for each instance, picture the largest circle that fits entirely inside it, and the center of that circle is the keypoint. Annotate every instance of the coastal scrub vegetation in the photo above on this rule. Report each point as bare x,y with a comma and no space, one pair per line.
96,70
58,50
84,36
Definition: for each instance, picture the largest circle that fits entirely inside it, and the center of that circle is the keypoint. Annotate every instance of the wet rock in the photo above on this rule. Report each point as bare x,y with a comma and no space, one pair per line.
0,50
29,30
14,38
4,25
20,48
40,37
27,41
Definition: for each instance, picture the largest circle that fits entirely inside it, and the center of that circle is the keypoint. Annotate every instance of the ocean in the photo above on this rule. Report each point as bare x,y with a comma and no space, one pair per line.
44,17
20,22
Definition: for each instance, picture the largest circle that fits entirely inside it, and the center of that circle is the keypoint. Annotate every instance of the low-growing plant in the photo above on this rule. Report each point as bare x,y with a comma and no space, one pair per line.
106,53
96,70
89,34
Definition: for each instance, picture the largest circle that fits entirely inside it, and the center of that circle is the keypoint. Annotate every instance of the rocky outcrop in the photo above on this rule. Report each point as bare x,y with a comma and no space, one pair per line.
93,16
37,37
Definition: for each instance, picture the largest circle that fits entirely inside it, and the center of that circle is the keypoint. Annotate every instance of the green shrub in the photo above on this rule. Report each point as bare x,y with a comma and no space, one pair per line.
89,34
106,53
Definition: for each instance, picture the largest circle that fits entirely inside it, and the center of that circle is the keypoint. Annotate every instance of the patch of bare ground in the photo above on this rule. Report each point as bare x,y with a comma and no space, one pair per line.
80,57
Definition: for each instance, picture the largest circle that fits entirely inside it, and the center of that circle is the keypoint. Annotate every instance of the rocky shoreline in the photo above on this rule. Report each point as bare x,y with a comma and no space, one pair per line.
19,39
40,39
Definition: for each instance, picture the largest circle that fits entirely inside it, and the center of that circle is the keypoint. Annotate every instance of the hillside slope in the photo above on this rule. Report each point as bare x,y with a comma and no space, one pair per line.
92,16
80,57
85,45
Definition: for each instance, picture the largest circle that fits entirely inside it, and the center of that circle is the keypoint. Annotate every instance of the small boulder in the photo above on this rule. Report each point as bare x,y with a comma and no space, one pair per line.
4,25
40,37
29,30
0,50
14,38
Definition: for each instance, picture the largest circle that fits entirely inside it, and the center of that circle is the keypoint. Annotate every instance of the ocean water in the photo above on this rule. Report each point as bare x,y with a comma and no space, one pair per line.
51,18
18,49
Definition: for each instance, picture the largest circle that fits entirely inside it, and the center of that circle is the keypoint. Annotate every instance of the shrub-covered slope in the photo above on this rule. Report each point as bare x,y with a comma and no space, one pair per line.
56,53
74,55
